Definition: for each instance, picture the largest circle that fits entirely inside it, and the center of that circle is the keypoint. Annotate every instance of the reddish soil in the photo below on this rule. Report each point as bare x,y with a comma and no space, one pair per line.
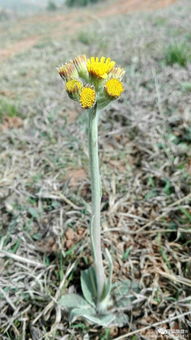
72,21
124,6
17,47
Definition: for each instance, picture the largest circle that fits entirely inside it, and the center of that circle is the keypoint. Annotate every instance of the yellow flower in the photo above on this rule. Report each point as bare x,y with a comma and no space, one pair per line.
87,97
68,71
73,86
93,81
114,87
100,68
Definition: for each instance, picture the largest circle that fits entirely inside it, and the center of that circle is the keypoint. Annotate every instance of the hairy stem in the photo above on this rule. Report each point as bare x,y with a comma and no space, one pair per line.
95,231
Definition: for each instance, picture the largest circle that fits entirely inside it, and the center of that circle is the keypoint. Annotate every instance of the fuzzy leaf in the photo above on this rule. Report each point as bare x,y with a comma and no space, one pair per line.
88,285
70,301
124,287
121,320
91,236
90,315
108,284
123,293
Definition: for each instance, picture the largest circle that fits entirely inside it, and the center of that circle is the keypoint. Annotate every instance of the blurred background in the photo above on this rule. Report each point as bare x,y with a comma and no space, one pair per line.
145,160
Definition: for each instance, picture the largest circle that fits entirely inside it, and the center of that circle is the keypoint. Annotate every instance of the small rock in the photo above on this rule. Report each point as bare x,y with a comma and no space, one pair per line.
70,234
69,244
113,331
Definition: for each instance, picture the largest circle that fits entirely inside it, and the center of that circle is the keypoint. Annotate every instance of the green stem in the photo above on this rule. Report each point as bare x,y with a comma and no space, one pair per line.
95,231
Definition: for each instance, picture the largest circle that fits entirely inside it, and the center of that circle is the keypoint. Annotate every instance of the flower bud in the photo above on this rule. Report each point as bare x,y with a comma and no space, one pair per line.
73,88
80,63
68,71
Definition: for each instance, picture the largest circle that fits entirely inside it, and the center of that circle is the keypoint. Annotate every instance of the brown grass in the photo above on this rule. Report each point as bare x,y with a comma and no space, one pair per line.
145,159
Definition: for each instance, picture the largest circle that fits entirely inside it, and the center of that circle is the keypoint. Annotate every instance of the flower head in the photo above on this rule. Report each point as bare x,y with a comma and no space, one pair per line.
87,97
117,72
93,81
68,71
114,87
73,86
80,63
100,68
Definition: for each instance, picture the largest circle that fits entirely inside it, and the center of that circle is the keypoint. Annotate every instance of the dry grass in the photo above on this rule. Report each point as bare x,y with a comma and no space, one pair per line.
145,153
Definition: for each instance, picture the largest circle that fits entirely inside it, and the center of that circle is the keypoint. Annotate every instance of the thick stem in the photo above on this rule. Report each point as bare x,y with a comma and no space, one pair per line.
95,231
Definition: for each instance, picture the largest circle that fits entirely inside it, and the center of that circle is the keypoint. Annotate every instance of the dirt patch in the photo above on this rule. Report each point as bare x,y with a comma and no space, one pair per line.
75,176
17,47
11,123
124,6
71,22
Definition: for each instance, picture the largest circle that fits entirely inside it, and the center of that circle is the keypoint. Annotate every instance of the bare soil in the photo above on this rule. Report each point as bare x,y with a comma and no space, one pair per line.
70,22
145,162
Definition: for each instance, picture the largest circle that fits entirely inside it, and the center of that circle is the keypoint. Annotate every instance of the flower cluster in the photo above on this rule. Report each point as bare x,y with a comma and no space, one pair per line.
93,81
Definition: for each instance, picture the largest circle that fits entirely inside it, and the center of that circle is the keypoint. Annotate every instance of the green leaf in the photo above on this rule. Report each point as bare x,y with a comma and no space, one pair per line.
126,254
70,301
79,312
91,236
123,293
186,86
33,212
186,213
121,319
108,284
88,285
90,315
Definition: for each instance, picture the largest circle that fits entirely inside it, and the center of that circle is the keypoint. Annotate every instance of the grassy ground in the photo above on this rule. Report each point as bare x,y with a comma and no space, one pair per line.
145,155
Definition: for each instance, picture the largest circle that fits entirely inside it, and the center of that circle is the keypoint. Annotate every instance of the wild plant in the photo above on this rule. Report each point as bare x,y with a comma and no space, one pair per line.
95,83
